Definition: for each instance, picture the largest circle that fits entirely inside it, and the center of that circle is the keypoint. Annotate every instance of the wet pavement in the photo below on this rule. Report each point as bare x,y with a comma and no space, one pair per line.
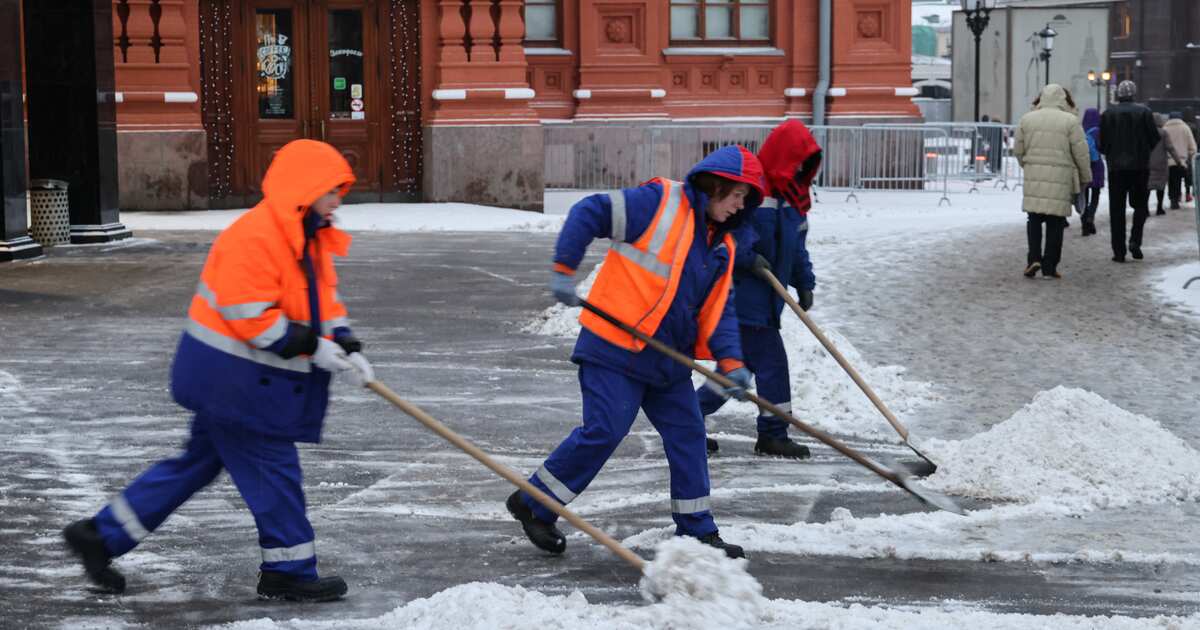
87,334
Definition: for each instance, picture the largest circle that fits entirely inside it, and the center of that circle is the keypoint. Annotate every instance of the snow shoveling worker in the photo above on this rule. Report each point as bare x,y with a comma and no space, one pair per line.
265,332
773,237
668,273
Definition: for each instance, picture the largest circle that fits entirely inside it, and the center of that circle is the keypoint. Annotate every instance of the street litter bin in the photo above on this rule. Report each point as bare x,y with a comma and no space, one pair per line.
50,212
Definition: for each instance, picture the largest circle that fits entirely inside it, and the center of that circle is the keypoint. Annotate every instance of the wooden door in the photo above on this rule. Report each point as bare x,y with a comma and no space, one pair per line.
347,85
310,70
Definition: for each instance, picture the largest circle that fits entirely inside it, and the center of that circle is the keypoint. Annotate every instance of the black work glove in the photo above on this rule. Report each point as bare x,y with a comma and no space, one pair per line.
760,262
300,340
349,343
805,298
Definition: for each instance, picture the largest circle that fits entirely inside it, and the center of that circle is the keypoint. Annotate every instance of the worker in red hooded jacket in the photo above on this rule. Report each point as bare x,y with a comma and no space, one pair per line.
773,238
668,273
265,331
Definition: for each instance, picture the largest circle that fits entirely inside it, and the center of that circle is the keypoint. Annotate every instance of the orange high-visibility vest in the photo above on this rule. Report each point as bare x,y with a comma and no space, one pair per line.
639,280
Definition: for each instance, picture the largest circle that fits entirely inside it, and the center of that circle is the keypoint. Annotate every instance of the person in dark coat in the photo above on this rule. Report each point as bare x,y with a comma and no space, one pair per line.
1127,135
1091,127
773,238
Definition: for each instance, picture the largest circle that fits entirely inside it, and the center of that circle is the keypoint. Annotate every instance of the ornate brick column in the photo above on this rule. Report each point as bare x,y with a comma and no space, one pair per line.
160,135
872,60
483,141
620,47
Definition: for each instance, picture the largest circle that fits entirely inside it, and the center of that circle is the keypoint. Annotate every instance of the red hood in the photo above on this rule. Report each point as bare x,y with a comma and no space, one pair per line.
790,158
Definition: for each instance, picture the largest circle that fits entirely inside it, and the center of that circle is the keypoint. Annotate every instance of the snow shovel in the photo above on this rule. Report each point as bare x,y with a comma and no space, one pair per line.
920,469
903,480
504,471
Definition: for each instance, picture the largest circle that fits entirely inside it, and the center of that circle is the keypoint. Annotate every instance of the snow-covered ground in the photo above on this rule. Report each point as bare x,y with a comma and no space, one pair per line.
1048,482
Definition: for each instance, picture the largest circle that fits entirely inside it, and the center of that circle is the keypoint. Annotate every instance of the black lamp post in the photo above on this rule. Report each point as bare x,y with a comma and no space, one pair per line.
1047,34
1099,82
977,20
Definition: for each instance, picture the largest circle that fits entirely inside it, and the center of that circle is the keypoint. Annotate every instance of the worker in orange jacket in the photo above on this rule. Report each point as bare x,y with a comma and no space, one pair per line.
265,331
668,273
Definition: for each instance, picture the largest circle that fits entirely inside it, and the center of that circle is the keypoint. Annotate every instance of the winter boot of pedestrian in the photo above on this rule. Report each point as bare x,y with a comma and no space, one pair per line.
1136,252
731,551
1032,268
85,542
543,535
780,448
711,445
1160,211
276,585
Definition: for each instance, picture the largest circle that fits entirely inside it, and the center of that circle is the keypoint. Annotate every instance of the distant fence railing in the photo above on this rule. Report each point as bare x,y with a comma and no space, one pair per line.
892,157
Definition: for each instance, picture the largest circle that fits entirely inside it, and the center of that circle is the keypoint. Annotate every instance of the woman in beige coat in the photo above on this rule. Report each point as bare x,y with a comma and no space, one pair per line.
1051,147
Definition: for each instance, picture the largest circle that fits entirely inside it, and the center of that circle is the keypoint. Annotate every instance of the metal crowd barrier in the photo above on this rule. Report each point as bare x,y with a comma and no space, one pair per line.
877,157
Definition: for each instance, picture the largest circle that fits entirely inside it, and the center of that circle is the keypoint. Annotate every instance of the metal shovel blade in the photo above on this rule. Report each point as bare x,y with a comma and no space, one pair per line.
936,499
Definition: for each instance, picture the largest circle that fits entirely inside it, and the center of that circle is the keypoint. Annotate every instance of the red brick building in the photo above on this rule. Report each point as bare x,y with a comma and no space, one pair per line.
445,99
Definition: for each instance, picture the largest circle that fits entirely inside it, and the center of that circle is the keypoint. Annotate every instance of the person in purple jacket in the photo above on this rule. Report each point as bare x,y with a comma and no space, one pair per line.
1091,128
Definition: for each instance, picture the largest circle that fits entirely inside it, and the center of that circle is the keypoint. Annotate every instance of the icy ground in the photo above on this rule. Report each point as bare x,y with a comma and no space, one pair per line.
1062,414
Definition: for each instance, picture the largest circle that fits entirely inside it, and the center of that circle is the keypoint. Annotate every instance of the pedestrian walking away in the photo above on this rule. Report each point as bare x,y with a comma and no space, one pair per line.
1052,149
1160,161
1189,117
1091,129
265,331
1127,136
773,237
1179,175
668,271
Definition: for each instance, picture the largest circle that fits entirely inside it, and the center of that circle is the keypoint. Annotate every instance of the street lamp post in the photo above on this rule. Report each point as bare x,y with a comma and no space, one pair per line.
977,20
1099,82
1047,34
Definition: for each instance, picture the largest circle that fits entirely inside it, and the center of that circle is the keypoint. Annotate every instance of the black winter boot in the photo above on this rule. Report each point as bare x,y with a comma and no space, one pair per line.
85,542
780,448
714,540
543,535
276,585
711,445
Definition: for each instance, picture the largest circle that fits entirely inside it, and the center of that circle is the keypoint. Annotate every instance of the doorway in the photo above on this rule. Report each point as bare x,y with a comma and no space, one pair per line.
309,69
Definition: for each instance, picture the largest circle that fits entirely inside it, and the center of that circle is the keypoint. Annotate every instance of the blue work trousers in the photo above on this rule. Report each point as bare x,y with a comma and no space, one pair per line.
610,405
765,356
266,471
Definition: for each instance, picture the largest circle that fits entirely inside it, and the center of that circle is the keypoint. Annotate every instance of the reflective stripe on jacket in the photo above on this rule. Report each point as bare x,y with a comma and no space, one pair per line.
638,281
254,292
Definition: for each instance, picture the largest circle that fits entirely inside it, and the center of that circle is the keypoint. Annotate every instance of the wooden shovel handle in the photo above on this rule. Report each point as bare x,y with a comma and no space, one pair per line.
724,381
509,474
837,356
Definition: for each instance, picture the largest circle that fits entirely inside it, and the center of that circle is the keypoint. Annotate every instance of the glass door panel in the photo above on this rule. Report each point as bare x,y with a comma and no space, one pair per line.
274,79
346,76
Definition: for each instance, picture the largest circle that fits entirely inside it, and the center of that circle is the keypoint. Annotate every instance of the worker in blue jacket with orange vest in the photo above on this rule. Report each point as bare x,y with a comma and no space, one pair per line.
773,238
668,273
266,330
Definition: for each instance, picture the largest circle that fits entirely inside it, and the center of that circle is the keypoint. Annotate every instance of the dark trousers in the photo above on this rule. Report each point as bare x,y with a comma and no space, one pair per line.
1176,176
1093,202
1131,186
1054,239
766,357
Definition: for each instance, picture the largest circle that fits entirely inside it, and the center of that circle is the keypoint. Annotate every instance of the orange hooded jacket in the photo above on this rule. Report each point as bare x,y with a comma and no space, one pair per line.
239,358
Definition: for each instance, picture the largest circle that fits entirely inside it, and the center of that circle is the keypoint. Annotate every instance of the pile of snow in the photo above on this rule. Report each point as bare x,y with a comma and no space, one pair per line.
823,394
695,576
488,606
1170,288
1072,447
